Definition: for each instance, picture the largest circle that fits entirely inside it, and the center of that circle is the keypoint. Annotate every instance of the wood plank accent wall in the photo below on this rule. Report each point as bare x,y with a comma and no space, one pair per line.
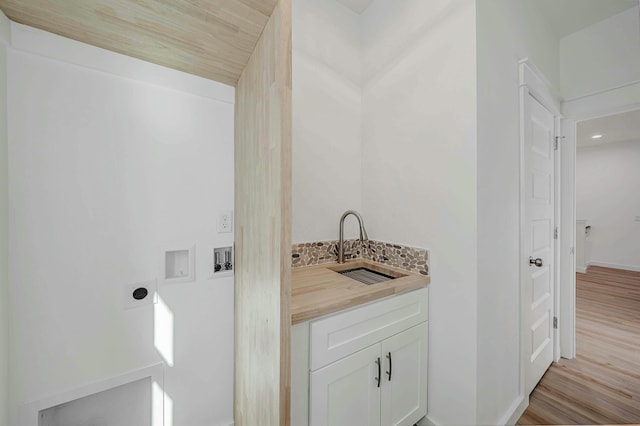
263,228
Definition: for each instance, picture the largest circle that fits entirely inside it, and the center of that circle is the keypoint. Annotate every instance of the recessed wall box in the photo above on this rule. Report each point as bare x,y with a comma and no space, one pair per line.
179,265
222,262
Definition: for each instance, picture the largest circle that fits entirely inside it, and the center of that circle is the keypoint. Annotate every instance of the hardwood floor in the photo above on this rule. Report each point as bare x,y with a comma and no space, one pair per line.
602,384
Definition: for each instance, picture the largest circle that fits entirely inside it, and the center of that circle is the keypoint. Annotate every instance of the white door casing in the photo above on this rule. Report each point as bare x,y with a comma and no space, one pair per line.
538,239
557,262
614,101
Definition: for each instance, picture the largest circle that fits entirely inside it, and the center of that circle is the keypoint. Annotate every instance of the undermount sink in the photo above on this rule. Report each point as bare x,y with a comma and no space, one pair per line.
366,276
367,273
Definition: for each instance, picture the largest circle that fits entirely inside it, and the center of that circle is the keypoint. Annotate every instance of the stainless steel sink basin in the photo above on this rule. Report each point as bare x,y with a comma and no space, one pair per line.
367,272
366,275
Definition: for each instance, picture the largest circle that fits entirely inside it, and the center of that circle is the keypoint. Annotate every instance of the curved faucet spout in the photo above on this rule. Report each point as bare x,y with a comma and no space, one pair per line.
363,232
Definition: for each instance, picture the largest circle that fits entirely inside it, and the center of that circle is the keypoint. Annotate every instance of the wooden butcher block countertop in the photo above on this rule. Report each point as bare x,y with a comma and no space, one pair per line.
318,290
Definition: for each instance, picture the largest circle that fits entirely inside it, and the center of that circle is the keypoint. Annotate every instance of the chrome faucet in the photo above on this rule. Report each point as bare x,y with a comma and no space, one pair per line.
363,232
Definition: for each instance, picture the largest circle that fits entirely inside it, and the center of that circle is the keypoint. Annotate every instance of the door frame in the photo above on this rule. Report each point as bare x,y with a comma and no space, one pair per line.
533,82
612,101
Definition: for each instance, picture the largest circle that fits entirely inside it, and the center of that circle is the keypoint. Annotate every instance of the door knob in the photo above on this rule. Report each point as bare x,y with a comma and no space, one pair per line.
537,262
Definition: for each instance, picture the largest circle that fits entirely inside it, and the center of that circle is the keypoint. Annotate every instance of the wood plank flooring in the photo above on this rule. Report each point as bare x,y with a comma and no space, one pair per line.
602,384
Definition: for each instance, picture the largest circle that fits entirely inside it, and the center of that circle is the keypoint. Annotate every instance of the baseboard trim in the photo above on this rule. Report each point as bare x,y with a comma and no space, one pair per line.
428,421
615,266
515,411
581,270
511,416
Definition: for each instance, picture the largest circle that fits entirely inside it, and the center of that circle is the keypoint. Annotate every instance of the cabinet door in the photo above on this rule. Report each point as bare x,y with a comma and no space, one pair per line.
404,377
346,393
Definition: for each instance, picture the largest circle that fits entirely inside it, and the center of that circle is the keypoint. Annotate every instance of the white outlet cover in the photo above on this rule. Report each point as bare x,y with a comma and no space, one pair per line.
152,297
225,221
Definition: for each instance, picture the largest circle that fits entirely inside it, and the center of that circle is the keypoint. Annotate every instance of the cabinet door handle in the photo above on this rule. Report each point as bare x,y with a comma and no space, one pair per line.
378,378
389,358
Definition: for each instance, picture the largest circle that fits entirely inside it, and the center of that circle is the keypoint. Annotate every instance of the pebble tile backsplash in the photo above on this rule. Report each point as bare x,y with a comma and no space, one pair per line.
404,257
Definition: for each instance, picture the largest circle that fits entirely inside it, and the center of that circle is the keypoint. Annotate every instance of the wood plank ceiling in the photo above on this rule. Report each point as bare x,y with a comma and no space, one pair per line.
209,38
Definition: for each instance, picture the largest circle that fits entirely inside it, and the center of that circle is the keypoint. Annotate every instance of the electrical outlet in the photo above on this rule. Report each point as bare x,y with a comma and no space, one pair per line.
225,221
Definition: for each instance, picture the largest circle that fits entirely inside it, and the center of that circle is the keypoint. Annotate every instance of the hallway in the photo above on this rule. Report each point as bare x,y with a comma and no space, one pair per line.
602,384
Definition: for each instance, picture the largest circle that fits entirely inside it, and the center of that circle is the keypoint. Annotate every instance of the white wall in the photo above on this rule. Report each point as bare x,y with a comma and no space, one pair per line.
504,29
327,130
533,37
602,56
607,185
419,171
5,38
106,170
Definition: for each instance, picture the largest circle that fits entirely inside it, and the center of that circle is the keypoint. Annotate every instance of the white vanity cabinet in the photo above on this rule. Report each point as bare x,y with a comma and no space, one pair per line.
365,366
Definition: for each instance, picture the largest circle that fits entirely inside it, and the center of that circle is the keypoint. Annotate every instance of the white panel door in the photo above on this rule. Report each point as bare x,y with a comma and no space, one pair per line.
404,383
347,392
538,275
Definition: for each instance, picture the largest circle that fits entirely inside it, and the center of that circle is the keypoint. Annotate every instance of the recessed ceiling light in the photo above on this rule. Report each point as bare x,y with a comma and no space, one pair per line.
596,136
